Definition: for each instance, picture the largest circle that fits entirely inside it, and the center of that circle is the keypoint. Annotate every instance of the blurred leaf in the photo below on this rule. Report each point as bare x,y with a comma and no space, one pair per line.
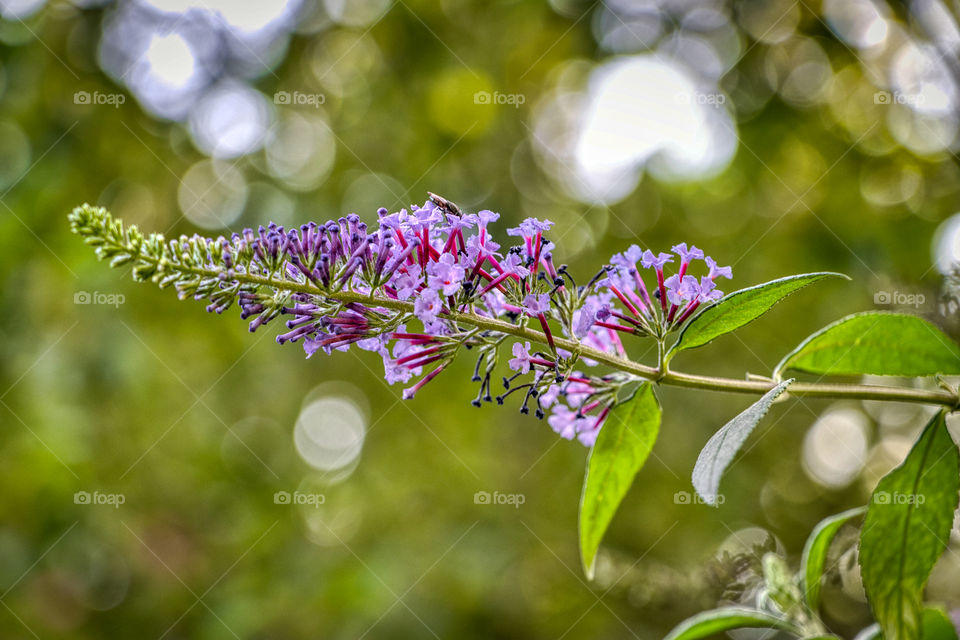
937,626
741,307
906,528
709,623
720,450
815,553
878,343
622,447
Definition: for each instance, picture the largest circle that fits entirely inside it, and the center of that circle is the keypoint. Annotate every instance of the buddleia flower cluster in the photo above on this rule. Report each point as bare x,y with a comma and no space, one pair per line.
423,285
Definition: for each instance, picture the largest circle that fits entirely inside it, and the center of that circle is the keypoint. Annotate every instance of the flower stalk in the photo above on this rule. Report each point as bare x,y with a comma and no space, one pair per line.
343,285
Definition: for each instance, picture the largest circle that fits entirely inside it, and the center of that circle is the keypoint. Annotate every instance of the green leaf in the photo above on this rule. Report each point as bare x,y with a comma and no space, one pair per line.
906,529
878,343
937,626
708,623
622,447
720,450
815,553
739,308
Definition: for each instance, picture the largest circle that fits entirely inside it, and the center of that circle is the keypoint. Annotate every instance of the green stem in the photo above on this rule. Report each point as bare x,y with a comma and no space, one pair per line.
656,374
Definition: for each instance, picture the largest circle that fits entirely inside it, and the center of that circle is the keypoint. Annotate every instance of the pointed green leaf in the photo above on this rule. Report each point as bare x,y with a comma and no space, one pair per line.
720,450
739,308
906,529
937,626
709,623
878,343
622,447
815,553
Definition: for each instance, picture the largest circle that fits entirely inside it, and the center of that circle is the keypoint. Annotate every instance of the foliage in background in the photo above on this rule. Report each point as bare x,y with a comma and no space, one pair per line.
167,408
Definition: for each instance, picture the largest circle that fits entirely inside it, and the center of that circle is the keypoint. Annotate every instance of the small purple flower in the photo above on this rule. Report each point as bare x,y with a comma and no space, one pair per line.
496,303
376,343
681,290
629,258
577,392
427,306
311,345
513,263
521,358
537,305
425,217
394,372
530,227
445,275
549,397
393,220
478,249
564,421
717,272
649,260
585,317
486,217
459,223
708,290
686,255
408,281
588,436
621,279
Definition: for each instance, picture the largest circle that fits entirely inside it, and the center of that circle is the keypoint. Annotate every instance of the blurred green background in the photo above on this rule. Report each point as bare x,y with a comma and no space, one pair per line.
780,136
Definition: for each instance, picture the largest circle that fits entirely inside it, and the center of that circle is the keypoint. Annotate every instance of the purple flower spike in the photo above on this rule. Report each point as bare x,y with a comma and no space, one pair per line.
347,282
521,358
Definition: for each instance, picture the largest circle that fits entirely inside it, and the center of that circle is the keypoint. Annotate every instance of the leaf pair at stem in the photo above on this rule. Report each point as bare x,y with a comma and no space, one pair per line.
872,343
